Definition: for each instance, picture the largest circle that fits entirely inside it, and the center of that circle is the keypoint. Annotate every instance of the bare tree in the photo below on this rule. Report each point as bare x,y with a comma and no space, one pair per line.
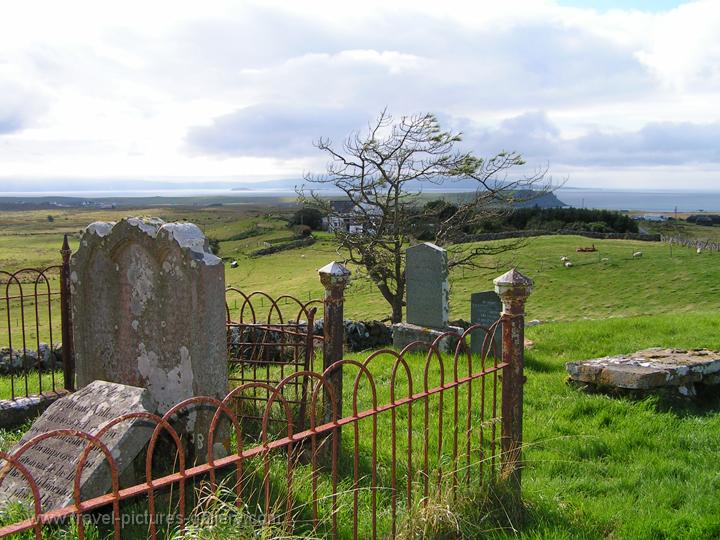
383,172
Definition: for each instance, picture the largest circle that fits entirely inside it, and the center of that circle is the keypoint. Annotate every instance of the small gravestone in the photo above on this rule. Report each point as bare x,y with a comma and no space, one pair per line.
485,309
428,298
148,310
428,291
650,370
53,461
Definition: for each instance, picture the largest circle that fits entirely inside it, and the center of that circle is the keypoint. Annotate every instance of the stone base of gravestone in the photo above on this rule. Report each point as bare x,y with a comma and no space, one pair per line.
406,333
53,461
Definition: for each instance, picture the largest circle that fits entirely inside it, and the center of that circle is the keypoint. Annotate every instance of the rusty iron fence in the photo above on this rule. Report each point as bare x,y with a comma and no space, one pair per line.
36,352
268,340
421,426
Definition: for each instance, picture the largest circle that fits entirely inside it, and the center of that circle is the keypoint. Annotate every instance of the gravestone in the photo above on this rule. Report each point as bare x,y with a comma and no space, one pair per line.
673,371
485,309
428,296
53,461
148,309
428,290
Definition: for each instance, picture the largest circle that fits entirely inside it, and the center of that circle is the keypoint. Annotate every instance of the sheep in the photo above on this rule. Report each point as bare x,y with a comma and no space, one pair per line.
637,254
605,259
699,250
568,264
564,259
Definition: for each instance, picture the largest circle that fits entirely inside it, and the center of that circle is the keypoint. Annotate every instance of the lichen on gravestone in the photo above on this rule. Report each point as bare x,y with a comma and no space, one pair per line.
148,301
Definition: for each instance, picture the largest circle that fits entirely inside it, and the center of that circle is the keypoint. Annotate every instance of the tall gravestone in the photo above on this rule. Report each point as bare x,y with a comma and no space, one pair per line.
426,282
485,309
53,461
148,310
428,296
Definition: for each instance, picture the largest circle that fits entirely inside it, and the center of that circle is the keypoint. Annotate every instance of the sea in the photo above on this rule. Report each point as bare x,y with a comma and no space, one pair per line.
653,201
659,201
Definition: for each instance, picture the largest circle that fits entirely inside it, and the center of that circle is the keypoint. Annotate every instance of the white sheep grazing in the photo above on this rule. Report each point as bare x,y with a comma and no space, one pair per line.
637,254
605,259
568,264
564,259
699,251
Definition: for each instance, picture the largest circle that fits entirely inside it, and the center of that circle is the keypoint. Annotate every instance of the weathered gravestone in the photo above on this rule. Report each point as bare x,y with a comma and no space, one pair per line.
148,302
673,371
428,296
428,290
53,462
485,309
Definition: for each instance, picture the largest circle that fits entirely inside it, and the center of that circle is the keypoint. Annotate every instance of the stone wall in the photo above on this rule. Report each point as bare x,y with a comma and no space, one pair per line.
588,234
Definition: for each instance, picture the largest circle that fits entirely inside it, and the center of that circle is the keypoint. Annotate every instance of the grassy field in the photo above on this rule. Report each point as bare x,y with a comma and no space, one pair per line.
683,229
597,467
593,288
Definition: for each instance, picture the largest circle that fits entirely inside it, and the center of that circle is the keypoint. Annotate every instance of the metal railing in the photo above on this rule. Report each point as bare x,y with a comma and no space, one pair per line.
36,352
420,426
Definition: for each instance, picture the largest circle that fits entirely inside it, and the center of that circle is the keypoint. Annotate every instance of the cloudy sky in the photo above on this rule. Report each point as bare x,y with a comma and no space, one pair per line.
608,93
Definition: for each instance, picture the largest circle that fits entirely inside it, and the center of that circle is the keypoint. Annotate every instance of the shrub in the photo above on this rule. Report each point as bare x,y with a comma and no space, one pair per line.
311,217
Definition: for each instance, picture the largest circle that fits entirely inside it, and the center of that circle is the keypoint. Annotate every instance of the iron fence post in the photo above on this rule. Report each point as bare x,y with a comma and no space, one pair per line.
334,278
68,349
513,289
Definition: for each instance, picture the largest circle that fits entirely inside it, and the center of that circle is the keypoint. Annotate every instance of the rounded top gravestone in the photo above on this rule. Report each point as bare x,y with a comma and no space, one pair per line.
148,305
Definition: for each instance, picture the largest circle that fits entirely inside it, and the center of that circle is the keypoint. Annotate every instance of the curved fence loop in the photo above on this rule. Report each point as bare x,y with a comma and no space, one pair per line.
36,502
28,329
400,442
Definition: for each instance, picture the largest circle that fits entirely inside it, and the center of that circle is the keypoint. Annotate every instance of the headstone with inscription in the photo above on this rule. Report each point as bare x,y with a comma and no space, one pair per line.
428,290
428,295
148,301
53,461
485,309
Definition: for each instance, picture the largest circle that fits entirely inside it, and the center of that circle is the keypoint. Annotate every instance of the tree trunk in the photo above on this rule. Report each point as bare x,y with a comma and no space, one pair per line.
397,310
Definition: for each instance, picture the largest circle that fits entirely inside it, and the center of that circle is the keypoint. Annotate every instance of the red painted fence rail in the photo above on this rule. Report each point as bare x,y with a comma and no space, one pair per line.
418,426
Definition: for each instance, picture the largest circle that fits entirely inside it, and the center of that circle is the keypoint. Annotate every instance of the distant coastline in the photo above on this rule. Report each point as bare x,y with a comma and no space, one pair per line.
657,201
652,201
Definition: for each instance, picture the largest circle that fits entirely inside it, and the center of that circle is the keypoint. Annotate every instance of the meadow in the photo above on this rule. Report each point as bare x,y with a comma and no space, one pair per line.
596,466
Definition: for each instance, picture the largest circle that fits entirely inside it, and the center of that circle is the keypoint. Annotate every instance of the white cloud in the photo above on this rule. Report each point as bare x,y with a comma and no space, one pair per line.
226,88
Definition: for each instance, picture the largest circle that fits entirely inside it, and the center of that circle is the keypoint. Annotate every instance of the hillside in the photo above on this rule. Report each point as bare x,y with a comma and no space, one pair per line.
592,289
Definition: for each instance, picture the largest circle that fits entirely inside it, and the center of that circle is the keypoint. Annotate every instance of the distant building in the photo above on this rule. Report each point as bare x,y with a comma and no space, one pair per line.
343,218
651,217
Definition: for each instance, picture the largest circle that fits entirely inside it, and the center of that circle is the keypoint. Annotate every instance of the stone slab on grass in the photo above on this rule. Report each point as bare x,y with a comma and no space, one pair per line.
650,369
53,461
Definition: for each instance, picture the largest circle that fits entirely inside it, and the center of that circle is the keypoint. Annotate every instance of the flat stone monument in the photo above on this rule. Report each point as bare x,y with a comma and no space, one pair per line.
428,296
485,309
148,306
677,370
53,461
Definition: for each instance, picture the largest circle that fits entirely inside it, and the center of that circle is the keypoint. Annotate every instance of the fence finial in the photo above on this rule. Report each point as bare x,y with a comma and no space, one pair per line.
513,288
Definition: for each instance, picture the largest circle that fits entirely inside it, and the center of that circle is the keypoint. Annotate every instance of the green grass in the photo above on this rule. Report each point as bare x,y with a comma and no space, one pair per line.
36,382
683,229
613,467
592,288
597,467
